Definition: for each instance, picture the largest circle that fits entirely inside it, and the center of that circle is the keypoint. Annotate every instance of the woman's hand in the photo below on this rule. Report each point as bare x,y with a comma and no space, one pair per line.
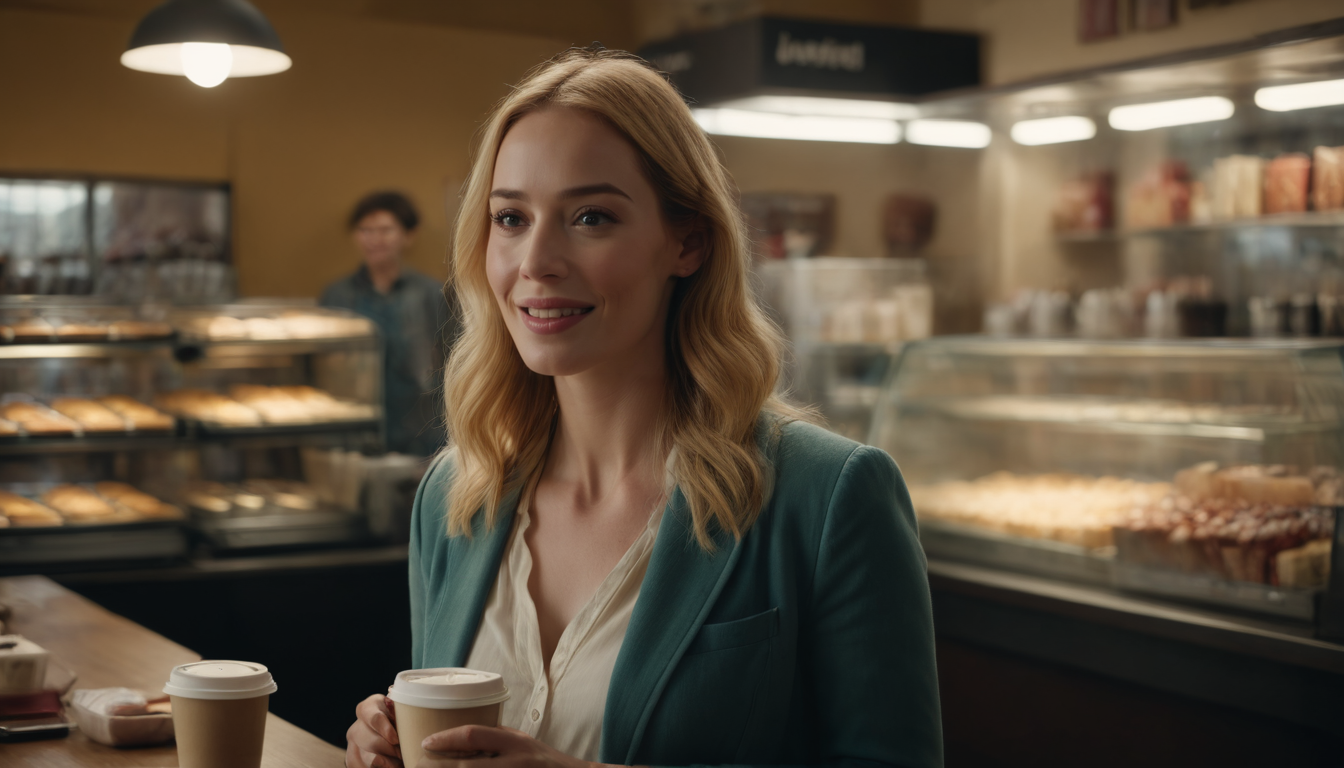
504,747
372,741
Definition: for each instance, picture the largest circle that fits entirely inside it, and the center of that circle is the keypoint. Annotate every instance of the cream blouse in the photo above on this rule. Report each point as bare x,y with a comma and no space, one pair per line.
565,709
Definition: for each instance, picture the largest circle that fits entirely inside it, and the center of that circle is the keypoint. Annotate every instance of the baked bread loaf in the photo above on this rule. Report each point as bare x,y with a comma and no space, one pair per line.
131,330
91,415
209,407
82,332
137,501
36,419
140,416
79,504
24,512
34,329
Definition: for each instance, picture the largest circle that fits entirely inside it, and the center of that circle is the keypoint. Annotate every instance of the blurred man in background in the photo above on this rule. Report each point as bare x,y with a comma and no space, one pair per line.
413,315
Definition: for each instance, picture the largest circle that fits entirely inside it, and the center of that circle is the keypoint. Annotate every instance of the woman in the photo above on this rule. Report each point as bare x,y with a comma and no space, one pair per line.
666,565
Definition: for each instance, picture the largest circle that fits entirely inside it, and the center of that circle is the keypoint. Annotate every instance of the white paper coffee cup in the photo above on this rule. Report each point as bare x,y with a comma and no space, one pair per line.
219,712
431,700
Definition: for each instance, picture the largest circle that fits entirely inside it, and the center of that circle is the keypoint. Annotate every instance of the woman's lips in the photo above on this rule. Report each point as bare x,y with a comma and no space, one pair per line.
548,325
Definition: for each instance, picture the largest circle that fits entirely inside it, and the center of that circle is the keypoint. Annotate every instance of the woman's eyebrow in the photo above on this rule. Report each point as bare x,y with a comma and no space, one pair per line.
584,191
595,189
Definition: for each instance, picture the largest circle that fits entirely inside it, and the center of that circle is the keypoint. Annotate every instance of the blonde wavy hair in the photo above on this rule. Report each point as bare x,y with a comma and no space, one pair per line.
722,352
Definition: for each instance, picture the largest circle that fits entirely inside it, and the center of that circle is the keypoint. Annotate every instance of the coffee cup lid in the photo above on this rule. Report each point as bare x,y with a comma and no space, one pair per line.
448,688
219,680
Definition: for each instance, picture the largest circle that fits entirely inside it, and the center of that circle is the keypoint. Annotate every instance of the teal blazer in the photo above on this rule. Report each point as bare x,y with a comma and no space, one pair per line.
808,641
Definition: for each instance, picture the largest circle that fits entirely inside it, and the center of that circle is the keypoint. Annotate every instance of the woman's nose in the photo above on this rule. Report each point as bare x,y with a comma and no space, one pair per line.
545,256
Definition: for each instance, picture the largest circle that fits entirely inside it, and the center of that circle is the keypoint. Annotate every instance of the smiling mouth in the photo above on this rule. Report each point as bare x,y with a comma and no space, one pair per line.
549,314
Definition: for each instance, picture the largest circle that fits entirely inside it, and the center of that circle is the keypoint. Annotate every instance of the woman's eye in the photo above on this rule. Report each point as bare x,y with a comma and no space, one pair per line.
593,218
508,220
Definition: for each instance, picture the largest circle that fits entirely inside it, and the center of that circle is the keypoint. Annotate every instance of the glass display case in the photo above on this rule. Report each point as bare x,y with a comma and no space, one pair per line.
1205,471
845,319
127,438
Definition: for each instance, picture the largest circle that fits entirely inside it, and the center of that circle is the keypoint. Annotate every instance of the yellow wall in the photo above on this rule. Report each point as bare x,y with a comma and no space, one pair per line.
368,104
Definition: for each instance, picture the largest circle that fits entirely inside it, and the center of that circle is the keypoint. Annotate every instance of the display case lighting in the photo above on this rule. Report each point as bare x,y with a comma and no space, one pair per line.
1165,114
774,125
1053,130
825,106
1286,98
965,134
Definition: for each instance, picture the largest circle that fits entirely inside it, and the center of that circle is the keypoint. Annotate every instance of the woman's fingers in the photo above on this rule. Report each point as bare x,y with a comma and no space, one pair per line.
468,739
358,758
377,713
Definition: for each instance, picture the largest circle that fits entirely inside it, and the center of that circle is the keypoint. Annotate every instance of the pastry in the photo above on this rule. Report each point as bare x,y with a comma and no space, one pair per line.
265,329
34,329
92,416
36,419
1068,508
78,504
81,332
1287,178
131,330
209,497
209,407
139,415
1327,181
24,512
137,501
8,428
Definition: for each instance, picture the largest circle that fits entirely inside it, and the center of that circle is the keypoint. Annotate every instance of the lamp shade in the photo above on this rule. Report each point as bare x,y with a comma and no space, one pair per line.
229,35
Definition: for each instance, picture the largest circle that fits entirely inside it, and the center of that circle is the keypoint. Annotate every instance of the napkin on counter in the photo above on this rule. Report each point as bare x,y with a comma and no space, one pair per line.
121,717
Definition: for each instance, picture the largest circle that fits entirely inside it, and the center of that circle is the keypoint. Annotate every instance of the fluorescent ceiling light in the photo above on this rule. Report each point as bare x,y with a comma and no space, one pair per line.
771,125
816,105
1284,98
1164,114
1053,130
948,133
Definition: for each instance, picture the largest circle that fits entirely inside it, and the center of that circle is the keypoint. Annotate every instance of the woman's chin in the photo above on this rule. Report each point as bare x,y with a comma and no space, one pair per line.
551,364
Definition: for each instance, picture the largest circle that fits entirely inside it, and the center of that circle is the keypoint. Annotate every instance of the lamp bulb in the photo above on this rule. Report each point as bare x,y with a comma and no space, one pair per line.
207,64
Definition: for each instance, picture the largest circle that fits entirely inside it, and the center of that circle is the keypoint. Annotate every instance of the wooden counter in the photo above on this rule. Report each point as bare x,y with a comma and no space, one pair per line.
106,650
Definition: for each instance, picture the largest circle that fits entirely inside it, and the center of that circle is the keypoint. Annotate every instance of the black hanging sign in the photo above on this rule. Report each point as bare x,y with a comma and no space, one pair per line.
772,54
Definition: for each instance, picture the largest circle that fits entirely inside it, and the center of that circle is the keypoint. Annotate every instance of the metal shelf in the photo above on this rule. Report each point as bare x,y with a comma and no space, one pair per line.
1309,220
187,434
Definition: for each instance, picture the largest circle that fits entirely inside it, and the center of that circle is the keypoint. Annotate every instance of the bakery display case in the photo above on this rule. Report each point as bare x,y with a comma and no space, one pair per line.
132,437
846,319
1202,471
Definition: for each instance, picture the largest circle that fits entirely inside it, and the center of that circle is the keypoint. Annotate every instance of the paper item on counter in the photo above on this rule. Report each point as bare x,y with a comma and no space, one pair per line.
122,717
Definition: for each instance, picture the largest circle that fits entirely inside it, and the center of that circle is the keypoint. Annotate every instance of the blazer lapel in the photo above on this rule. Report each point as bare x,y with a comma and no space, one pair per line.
678,592
472,566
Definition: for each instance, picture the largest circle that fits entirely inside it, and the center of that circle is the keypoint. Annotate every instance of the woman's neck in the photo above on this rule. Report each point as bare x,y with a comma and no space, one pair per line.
609,427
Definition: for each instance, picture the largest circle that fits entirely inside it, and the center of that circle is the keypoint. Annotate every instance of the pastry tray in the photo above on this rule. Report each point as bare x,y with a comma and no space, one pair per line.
207,429
276,527
21,548
1242,595
1042,557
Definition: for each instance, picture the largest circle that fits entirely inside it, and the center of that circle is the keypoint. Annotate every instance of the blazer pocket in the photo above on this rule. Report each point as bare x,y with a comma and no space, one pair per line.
735,634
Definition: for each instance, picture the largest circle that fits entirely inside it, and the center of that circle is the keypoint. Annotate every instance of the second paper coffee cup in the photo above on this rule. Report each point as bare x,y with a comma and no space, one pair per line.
431,700
219,712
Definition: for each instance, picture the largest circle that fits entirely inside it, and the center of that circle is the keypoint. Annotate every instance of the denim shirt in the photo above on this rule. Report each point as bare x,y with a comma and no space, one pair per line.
418,327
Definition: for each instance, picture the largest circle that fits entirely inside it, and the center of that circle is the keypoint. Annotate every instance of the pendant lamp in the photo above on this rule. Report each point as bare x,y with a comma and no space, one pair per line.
209,41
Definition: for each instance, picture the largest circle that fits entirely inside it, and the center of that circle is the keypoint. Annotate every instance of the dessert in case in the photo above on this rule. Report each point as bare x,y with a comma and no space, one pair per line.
91,415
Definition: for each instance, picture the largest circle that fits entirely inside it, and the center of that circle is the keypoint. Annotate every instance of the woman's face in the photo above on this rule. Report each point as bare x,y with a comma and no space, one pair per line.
580,257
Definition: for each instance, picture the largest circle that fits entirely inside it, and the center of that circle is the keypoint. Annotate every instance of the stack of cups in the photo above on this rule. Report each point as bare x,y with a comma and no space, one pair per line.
219,712
432,700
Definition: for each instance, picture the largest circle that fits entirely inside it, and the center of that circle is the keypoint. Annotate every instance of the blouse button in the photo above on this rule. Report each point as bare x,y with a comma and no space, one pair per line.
535,715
